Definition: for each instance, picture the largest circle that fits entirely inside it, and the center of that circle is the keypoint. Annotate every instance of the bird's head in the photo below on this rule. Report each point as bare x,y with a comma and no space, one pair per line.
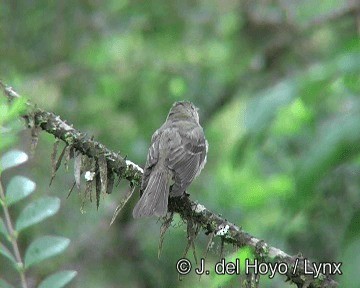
184,110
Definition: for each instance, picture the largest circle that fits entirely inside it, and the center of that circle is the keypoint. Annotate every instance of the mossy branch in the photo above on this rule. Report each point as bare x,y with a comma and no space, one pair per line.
186,208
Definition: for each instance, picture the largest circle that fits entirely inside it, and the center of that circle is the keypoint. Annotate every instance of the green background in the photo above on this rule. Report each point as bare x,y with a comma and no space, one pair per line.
277,84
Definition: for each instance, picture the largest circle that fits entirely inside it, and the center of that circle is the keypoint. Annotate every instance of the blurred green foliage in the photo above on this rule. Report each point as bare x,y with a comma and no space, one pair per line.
277,83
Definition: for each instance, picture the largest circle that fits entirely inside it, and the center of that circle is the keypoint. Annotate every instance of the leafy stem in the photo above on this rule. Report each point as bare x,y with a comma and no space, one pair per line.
13,237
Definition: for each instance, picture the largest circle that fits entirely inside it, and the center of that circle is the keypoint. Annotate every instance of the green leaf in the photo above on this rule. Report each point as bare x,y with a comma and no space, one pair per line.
12,158
4,284
18,188
37,211
43,248
18,106
3,229
4,251
58,280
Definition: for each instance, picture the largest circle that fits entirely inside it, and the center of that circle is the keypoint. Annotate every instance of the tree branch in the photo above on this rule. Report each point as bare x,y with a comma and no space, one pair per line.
188,209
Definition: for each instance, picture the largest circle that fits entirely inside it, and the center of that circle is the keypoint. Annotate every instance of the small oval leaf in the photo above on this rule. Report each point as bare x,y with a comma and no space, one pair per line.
43,248
19,187
4,284
58,280
37,211
12,158
5,252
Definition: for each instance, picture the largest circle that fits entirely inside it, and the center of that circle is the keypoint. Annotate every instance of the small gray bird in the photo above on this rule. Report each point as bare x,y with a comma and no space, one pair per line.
176,156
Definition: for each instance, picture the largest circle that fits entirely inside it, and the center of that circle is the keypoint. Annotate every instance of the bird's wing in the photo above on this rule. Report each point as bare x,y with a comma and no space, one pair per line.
152,158
187,157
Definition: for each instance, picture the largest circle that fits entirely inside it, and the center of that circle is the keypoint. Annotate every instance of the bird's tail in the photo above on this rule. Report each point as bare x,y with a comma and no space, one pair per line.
154,200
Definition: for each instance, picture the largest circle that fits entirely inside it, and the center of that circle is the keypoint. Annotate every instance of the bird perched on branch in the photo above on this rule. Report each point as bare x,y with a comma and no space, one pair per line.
176,156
